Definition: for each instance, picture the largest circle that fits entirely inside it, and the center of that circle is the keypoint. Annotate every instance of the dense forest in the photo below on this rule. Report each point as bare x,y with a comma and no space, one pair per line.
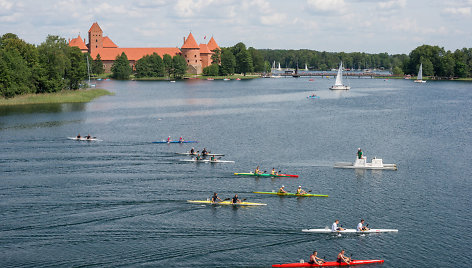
54,66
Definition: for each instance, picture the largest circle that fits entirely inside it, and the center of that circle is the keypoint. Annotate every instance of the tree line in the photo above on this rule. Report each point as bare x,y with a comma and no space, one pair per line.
49,67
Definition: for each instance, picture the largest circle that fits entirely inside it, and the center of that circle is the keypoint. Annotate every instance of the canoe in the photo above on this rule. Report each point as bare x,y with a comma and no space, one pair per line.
174,141
349,231
292,194
266,175
327,264
194,160
225,203
209,154
83,139
313,97
221,161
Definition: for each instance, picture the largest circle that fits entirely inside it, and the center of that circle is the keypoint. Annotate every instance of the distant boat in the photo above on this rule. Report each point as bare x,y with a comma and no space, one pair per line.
419,79
306,67
273,65
279,69
338,85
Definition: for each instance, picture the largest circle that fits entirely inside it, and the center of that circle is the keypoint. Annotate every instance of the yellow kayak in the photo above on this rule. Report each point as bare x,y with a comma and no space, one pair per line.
225,203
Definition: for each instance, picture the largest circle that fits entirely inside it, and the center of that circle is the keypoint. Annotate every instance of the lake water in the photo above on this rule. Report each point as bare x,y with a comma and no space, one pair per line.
122,201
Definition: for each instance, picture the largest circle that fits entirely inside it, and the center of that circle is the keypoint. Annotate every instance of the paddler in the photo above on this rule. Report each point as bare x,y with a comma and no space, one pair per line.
335,228
300,190
198,157
204,152
215,197
359,153
88,137
212,158
78,136
257,171
192,151
235,199
273,172
361,227
282,190
342,258
168,139
181,139
315,259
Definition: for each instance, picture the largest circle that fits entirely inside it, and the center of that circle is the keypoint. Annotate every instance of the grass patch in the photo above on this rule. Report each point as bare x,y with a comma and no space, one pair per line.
66,96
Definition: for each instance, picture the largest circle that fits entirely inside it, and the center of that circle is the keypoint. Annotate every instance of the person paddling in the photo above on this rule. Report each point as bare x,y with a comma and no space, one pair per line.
215,198
335,228
168,139
300,190
181,139
88,137
198,157
342,258
78,136
192,151
212,158
273,172
257,171
361,227
282,190
204,152
235,199
314,259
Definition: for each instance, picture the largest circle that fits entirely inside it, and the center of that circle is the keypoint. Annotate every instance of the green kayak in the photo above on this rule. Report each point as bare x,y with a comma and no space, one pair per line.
292,194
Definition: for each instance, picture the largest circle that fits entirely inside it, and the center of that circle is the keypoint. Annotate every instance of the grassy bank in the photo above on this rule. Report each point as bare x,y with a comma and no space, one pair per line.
66,96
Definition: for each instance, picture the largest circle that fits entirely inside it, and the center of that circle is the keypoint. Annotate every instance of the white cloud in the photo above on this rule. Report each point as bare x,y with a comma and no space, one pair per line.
392,4
337,6
189,8
276,18
464,11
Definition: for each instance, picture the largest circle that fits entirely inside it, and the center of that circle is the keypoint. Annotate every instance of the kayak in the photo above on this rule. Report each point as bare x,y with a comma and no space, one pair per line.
174,141
265,175
221,161
292,194
329,263
313,97
195,160
210,154
349,231
225,203
83,139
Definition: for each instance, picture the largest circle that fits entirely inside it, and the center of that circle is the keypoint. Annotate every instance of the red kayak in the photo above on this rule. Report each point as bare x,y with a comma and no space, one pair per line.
289,175
326,264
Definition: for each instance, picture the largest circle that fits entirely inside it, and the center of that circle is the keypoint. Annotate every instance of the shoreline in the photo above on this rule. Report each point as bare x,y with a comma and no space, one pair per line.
66,96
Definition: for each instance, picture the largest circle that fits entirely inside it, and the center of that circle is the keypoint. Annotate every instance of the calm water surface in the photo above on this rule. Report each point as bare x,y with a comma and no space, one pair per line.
122,201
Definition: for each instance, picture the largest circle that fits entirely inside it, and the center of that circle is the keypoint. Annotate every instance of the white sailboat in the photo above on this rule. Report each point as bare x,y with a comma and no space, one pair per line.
419,79
306,67
338,85
273,65
279,69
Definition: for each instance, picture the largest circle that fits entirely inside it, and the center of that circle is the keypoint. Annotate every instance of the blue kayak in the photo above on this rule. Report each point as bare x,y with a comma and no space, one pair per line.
313,97
174,141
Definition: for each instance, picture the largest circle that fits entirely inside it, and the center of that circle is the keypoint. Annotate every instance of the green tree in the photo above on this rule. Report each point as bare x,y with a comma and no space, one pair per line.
54,62
228,62
169,69
121,68
97,65
212,70
428,68
14,72
76,71
257,60
244,62
216,56
267,67
180,66
397,71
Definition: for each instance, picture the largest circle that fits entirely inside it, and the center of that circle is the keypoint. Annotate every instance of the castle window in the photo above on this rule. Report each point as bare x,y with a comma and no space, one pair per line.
96,40
196,61
195,56
188,61
96,46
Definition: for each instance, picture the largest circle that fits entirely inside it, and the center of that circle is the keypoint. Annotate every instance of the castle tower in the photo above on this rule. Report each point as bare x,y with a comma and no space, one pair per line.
191,52
95,35
205,55
80,43
212,45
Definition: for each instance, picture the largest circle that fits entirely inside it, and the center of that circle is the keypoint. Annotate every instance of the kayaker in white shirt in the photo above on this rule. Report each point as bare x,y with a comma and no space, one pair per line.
335,228
361,227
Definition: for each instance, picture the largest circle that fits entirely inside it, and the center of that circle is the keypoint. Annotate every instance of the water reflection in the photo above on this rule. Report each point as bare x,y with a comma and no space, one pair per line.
41,108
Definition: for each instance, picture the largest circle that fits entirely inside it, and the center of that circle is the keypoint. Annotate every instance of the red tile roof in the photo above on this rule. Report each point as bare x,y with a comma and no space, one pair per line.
95,27
190,42
204,49
78,42
133,53
108,43
212,45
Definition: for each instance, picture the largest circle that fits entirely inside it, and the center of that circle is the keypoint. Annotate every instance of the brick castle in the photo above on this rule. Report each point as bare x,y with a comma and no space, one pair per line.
197,56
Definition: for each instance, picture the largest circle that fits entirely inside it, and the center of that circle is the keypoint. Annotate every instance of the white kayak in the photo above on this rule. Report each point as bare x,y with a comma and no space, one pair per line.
376,163
349,231
210,154
83,139
195,160
221,161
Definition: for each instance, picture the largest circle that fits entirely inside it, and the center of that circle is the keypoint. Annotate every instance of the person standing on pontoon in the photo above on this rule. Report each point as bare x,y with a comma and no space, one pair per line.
359,153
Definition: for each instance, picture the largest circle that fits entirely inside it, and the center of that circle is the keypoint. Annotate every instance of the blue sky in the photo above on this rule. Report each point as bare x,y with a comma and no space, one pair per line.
392,26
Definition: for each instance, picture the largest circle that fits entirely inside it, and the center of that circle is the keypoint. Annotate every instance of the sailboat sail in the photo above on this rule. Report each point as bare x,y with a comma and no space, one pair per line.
279,69
420,72
339,77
